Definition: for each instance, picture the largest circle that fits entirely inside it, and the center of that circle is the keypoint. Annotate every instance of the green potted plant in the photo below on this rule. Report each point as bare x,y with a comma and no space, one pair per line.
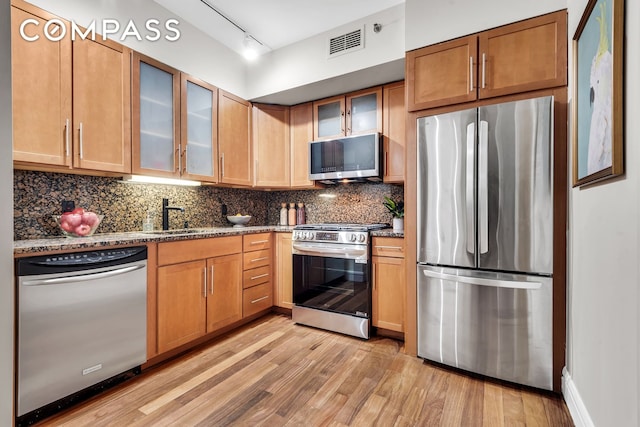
397,210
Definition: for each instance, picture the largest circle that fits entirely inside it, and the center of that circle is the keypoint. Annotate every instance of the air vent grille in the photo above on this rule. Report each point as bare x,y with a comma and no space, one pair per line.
346,42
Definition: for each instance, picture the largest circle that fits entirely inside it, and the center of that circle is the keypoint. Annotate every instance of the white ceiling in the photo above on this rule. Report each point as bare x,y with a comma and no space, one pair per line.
275,23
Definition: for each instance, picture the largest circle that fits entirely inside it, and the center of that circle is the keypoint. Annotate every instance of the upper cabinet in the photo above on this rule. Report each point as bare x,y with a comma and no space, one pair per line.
520,57
356,113
234,143
101,106
41,83
155,118
394,125
52,79
175,130
271,145
301,129
199,129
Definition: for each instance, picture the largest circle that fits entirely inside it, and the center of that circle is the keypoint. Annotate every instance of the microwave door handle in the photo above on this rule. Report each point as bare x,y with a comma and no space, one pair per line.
469,187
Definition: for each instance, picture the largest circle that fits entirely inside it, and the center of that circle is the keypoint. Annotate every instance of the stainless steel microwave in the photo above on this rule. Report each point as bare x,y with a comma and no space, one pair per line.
352,158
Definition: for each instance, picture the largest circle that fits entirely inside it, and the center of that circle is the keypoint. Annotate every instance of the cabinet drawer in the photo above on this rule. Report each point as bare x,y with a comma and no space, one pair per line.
256,242
190,250
256,299
256,259
388,246
256,276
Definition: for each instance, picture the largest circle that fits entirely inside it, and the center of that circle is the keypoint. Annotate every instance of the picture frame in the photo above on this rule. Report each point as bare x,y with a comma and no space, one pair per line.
597,105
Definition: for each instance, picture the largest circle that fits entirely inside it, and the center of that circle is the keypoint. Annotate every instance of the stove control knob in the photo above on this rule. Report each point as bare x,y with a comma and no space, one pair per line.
352,237
361,238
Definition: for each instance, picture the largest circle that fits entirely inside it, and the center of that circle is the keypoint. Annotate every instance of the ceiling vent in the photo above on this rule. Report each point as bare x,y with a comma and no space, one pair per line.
345,43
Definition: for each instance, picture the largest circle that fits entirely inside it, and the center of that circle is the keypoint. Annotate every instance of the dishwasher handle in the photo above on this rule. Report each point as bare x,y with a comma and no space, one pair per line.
82,277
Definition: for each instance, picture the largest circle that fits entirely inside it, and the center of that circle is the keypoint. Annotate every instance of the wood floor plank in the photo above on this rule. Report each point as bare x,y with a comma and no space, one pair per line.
273,372
492,410
174,393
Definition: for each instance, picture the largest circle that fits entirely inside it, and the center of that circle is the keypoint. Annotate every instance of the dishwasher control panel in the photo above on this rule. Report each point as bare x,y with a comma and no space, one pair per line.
72,261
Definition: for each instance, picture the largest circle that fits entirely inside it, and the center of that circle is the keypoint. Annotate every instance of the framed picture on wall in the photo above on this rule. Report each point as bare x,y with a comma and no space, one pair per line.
597,116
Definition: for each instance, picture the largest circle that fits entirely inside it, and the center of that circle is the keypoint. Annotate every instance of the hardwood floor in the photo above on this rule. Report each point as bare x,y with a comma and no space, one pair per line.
275,373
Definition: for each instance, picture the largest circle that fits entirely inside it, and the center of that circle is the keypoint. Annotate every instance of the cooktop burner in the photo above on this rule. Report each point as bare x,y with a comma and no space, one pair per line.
340,226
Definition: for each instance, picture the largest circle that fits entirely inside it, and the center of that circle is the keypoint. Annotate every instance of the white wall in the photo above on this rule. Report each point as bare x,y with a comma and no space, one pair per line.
6,221
604,288
194,53
429,22
306,62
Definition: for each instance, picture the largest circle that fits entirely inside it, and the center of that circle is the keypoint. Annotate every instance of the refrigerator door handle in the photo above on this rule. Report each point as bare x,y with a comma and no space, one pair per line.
483,188
469,187
494,283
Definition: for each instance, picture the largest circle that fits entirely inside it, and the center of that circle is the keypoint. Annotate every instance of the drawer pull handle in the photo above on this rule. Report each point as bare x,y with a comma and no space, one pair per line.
399,248
259,242
260,299
260,259
259,276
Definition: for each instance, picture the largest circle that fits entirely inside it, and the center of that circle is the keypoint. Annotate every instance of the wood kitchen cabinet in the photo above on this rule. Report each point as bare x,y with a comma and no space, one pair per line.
234,142
198,129
175,128
101,106
351,114
155,118
388,266
284,271
515,58
394,119
199,288
271,146
71,100
301,128
257,294
224,297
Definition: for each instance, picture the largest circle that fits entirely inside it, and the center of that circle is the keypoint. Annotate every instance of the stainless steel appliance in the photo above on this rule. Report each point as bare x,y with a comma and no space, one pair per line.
81,320
485,240
354,157
331,277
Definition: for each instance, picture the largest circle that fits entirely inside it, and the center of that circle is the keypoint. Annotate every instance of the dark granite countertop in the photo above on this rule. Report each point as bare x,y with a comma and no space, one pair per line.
25,247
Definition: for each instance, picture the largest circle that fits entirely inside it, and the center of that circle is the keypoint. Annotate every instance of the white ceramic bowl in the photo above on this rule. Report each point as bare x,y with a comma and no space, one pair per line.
82,229
239,220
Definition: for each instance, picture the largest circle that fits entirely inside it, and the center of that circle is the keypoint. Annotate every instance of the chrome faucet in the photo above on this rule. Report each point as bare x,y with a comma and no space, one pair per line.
165,212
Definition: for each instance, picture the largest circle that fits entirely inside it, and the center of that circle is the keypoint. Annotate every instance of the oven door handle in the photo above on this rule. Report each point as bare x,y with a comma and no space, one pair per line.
327,251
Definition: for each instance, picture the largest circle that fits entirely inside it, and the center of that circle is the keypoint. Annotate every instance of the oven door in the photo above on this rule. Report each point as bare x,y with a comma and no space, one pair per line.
338,285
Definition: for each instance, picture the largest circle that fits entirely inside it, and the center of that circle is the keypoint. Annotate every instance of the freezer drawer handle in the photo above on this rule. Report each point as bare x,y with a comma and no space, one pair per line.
82,277
509,284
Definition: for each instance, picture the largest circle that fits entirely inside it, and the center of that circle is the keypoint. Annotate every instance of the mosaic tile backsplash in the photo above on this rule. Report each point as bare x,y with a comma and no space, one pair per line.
38,196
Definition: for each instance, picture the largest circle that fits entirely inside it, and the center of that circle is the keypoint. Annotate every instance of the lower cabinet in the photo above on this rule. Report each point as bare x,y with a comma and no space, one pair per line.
257,293
199,288
284,271
224,294
388,283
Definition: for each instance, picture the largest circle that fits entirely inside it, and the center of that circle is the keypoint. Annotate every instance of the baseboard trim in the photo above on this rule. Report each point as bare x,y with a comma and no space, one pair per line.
576,406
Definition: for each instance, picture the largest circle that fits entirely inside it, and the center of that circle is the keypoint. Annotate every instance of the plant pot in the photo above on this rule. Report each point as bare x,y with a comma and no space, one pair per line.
398,225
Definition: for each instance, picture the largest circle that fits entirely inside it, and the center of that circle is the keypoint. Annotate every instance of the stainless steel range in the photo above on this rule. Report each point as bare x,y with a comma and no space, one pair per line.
331,277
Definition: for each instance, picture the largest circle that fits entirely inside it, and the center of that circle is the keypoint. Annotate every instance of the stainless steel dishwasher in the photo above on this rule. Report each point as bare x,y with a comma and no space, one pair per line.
81,320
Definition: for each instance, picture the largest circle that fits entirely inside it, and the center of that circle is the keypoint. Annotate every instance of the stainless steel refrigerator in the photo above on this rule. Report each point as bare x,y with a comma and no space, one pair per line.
485,240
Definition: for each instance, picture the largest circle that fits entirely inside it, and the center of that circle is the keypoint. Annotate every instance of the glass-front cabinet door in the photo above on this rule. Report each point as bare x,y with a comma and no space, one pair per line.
329,118
351,114
155,118
199,137
364,111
